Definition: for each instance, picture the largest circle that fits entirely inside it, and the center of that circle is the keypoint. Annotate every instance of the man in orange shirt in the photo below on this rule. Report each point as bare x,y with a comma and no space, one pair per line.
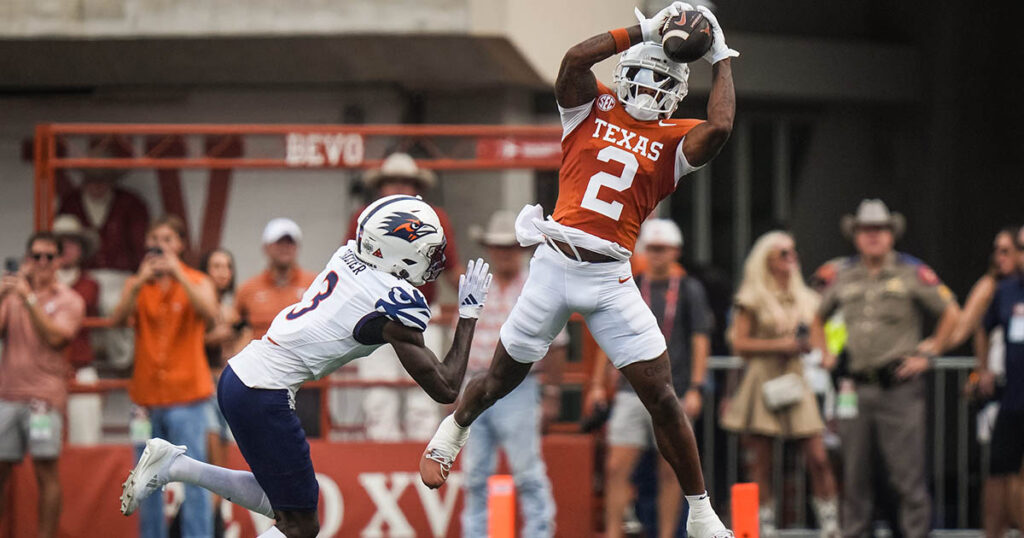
39,316
170,305
261,297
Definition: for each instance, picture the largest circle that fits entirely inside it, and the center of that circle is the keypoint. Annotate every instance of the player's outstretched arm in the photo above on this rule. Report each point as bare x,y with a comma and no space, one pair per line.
707,139
443,379
440,379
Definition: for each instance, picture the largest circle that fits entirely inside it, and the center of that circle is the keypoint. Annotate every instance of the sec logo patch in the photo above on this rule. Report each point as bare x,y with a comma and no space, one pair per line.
605,102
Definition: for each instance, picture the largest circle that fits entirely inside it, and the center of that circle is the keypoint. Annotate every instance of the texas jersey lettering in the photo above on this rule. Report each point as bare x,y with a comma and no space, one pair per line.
615,169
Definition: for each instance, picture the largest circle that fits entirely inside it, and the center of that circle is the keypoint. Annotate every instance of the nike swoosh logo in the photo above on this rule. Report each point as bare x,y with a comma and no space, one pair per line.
623,280
663,124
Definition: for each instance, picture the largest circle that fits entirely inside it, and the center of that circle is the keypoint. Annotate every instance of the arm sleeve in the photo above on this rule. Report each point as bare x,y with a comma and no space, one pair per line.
573,117
683,167
930,293
700,312
369,331
405,306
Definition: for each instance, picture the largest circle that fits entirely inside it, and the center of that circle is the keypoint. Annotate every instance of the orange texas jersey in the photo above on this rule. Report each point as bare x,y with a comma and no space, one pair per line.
615,169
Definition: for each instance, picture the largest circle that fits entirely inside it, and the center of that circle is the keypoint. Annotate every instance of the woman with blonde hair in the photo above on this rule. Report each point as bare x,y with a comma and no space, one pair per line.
773,309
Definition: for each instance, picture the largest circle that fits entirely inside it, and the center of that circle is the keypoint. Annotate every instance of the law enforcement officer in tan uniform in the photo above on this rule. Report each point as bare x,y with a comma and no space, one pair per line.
884,295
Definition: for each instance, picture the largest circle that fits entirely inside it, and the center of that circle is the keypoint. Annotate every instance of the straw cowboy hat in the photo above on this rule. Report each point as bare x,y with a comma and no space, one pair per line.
500,232
399,166
69,226
873,212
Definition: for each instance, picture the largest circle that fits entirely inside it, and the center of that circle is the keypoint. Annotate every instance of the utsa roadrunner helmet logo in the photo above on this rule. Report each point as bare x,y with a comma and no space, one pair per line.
406,226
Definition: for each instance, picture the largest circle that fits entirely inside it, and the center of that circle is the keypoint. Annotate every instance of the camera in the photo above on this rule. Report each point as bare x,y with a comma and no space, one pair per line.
11,265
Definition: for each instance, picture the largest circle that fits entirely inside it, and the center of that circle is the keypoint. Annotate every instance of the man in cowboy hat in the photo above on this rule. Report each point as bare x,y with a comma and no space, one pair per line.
883,296
120,219
514,423
79,244
392,414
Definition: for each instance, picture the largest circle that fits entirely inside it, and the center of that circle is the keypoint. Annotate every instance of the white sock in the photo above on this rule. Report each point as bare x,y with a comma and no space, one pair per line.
700,505
239,487
450,437
272,532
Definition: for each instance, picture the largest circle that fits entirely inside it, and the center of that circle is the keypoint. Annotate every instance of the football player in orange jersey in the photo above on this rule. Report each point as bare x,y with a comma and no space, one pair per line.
622,153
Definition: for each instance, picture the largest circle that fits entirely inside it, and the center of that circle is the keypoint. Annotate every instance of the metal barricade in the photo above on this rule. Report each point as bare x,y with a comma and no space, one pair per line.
957,461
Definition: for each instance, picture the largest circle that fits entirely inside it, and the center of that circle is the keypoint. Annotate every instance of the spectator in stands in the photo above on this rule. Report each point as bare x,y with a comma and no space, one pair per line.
999,356
170,305
680,305
39,317
120,218
78,245
222,342
514,423
395,414
222,338
281,284
770,332
883,296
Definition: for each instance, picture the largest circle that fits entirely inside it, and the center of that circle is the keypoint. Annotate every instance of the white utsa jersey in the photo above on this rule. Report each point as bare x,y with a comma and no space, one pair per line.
317,335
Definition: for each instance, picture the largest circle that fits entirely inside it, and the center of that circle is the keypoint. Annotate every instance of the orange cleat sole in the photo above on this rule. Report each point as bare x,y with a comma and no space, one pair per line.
432,472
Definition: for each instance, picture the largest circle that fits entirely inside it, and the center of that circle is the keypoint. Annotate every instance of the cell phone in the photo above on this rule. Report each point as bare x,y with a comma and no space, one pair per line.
155,250
11,265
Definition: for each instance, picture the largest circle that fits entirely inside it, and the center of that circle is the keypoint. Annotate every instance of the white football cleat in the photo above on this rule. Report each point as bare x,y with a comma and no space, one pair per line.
149,475
707,526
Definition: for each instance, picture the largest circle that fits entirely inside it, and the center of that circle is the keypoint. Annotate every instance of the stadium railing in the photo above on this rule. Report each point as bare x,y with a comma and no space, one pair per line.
957,461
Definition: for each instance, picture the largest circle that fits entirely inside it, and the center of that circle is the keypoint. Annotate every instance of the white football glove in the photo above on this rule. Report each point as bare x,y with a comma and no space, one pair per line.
719,50
473,286
651,28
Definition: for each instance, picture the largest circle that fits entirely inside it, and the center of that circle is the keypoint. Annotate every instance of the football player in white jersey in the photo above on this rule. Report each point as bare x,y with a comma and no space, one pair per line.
364,298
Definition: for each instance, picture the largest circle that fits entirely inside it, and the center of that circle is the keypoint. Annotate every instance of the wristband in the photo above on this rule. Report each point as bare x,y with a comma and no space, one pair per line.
621,37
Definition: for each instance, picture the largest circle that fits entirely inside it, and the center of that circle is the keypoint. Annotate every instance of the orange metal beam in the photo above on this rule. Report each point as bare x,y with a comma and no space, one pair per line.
541,131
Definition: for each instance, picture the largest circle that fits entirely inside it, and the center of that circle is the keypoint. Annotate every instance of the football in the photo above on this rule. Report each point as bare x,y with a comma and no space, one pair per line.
687,37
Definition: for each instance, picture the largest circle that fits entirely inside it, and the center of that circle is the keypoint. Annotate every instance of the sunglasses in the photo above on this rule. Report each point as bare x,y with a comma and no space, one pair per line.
39,256
787,253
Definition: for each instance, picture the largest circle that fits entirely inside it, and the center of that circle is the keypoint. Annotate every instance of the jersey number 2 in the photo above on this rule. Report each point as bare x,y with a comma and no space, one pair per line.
619,183
332,280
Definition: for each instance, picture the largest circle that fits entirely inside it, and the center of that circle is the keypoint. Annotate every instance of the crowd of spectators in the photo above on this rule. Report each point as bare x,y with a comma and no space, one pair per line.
877,320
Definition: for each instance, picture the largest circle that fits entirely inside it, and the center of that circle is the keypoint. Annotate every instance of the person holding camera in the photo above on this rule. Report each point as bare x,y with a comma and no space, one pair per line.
773,308
39,317
884,296
170,305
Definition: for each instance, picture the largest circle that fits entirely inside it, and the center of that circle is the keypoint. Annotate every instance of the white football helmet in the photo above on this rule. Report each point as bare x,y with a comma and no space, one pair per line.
644,66
402,235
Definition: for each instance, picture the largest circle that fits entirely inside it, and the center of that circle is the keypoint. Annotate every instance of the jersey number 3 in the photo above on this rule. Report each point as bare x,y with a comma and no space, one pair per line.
332,280
619,183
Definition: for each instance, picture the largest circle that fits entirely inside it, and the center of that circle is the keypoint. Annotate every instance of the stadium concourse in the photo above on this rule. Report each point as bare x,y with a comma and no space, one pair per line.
826,250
